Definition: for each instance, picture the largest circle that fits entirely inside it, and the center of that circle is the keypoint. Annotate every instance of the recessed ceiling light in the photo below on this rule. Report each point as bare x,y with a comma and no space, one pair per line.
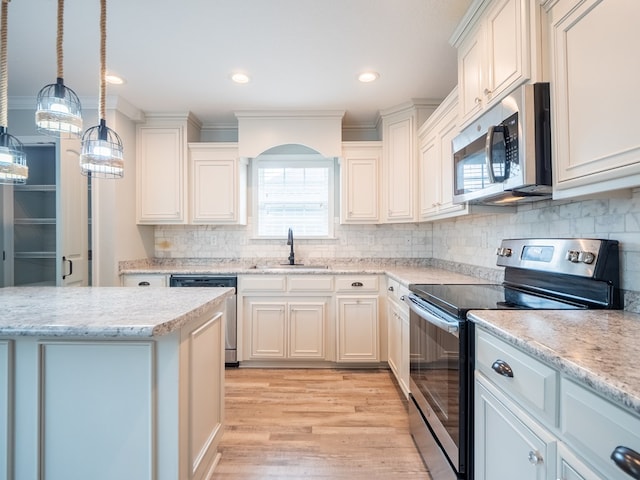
367,77
240,78
114,79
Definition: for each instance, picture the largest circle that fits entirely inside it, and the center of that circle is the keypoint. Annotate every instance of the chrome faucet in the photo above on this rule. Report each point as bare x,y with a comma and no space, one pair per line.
290,242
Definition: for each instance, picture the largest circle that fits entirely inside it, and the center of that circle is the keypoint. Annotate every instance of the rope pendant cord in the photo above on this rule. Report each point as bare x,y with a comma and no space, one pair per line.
3,65
59,38
103,57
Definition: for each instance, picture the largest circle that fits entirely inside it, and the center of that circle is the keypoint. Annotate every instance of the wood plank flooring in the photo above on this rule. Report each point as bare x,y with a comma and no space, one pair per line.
316,424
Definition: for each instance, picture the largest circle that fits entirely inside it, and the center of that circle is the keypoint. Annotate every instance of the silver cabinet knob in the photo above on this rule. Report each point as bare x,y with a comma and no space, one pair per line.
535,458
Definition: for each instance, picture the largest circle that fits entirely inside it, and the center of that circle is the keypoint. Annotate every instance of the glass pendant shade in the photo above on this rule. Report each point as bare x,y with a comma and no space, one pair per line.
102,153
58,111
13,161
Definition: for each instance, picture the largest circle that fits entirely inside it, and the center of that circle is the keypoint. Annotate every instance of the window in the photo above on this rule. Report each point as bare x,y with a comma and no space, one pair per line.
294,193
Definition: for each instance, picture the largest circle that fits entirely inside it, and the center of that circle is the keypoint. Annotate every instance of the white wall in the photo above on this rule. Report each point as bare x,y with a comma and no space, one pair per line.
116,237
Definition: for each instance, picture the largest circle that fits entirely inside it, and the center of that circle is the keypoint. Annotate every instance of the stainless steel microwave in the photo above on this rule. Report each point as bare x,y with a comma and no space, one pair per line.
505,155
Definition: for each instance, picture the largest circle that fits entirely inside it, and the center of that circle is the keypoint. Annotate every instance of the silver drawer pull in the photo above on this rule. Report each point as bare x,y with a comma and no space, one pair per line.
390,288
357,284
627,460
503,368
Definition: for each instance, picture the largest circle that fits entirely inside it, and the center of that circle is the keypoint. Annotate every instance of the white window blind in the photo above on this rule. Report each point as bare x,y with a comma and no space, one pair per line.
294,194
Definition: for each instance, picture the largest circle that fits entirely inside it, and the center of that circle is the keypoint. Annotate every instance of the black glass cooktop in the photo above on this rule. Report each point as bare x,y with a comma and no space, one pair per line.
458,299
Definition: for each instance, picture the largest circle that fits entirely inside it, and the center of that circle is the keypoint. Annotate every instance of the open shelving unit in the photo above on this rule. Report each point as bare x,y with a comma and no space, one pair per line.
35,219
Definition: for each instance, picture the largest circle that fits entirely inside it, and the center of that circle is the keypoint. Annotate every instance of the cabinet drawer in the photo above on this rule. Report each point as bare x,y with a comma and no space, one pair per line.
264,283
368,283
595,427
144,280
310,283
533,384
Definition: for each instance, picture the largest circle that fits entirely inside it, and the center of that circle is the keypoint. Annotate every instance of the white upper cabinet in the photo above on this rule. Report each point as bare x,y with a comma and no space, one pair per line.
499,48
359,182
436,162
217,184
595,68
161,174
399,173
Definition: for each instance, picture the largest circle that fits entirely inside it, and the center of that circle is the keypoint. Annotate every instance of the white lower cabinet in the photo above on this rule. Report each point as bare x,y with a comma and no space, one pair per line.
508,443
281,329
310,318
532,422
570,467
398,333
357,329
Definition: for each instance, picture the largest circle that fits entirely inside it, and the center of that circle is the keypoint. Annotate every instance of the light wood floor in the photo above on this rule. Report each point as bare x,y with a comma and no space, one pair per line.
316,424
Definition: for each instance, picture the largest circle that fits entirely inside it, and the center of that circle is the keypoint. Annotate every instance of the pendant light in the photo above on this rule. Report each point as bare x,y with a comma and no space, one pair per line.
13,161
58,107
102,153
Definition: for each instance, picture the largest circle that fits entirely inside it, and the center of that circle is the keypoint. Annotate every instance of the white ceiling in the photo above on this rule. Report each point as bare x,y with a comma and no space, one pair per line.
301,54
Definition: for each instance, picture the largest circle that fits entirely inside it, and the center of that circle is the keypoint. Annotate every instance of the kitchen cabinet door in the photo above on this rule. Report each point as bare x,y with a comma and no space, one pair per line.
436,162
306,337
571,467
281,330
400,161
508,444
595,97
217,184
267,329
359,182
357,329
161,176
498,49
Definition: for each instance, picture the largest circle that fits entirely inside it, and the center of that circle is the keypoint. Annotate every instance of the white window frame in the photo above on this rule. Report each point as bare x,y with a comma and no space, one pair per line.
296,161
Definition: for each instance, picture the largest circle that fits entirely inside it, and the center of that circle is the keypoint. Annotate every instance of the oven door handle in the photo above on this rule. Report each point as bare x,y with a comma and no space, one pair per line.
451,327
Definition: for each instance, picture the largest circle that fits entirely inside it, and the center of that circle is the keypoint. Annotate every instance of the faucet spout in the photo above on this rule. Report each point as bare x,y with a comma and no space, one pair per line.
292,260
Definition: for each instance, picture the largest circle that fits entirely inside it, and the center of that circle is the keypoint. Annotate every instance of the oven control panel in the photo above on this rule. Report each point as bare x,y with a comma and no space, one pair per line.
573,256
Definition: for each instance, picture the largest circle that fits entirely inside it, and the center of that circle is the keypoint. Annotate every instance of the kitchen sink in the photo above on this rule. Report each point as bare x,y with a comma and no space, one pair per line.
287,266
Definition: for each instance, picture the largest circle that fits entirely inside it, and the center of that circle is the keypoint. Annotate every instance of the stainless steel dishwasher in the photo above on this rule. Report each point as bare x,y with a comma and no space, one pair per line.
231,340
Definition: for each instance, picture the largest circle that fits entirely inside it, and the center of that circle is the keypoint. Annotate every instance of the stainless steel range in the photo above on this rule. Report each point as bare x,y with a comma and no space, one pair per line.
539,274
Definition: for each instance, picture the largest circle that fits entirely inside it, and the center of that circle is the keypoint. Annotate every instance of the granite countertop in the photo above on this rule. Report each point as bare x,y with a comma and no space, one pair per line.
598,348
102,311
402,274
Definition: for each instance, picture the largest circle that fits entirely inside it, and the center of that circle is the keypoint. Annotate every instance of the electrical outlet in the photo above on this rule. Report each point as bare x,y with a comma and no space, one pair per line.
213,240
371,240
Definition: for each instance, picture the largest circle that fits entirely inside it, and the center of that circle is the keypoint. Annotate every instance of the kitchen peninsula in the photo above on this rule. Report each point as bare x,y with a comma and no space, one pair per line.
109,383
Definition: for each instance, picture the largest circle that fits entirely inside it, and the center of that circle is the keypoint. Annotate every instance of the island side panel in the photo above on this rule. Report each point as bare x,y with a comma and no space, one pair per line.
201,394
97,409
6,393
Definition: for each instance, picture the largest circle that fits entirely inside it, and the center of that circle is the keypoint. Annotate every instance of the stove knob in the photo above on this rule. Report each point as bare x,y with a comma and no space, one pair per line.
572,256
586,257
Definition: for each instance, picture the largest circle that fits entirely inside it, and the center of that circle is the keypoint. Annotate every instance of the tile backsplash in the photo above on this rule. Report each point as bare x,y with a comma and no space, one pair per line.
468,242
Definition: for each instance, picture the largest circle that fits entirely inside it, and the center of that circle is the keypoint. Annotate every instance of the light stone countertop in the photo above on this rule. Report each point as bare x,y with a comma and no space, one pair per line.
102,311
403,274
599,348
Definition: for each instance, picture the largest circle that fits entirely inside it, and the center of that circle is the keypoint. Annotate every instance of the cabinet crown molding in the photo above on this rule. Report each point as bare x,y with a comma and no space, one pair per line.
468,21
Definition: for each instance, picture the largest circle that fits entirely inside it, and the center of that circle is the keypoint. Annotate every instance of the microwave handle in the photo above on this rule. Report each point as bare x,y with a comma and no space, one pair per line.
489,153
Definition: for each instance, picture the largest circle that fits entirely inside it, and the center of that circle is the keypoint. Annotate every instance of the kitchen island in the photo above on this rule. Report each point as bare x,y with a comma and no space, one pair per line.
107,383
